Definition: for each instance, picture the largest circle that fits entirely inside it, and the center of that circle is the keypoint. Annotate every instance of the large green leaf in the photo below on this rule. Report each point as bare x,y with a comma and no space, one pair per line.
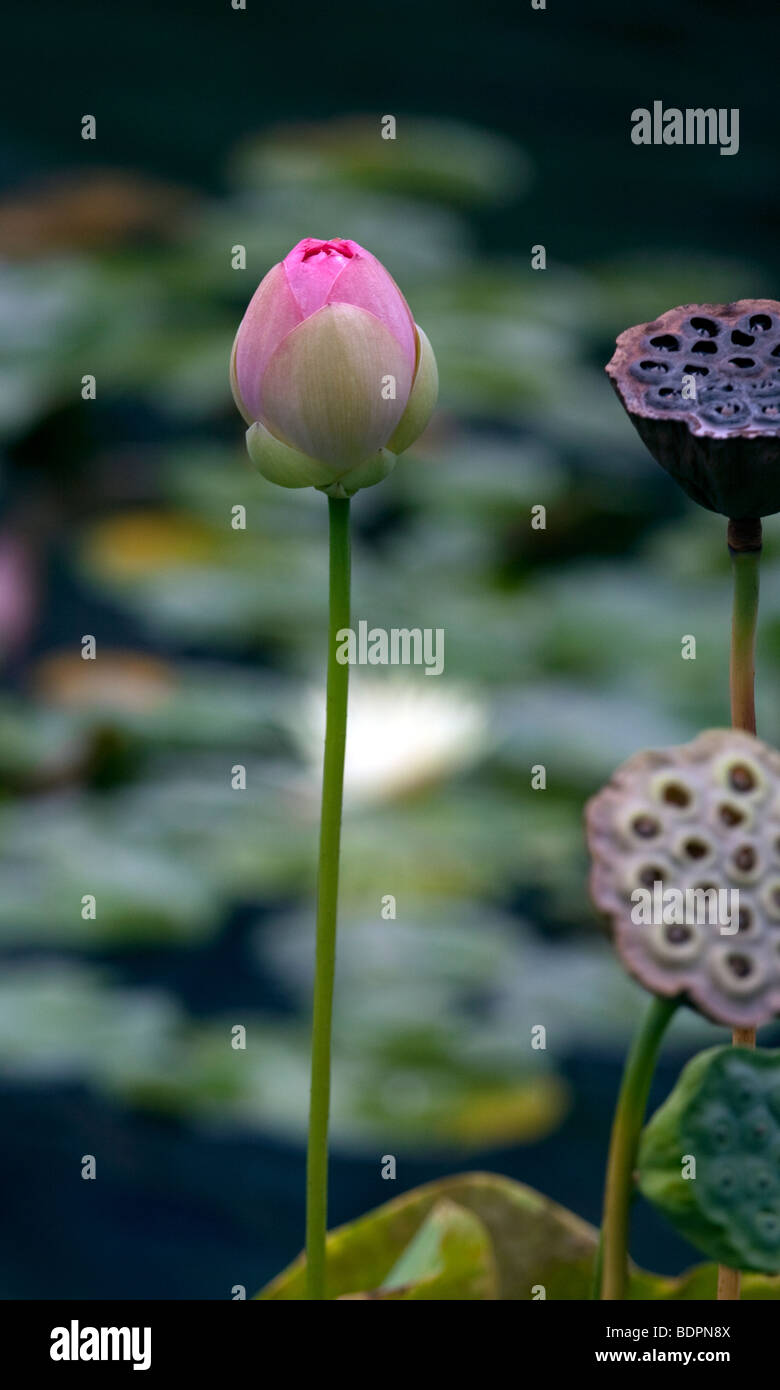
451,1257
417,1246
697,1284
535,1242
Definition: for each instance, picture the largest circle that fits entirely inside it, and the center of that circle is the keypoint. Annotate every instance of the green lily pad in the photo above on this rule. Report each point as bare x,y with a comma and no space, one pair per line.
435,158
699,1283
709,1157
414,1247
535,1242
450,1257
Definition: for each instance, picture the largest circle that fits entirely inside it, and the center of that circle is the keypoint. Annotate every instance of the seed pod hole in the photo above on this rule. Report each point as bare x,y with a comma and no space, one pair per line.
666,342
676,945
764,386
725,412
745,864
739,972
741,778
696,848
770,898
705,347
676,794
755,1131
760,323
706,328
645,826
744,1087
760,1182
667,398
721,1131
729,814
768,1226
740,339
725,1183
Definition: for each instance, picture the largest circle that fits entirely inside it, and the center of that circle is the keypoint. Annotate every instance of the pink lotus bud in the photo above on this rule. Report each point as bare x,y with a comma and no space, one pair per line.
330,371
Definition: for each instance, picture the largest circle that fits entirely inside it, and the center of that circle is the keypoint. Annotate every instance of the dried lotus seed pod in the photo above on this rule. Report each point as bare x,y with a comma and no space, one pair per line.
724,1113
700,817
701,385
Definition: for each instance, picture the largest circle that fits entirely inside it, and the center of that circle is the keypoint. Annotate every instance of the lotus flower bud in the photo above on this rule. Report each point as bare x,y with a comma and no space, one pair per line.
330,371
702,386
703,816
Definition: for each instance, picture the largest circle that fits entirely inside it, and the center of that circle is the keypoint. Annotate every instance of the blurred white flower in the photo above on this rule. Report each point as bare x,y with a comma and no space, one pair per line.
402,734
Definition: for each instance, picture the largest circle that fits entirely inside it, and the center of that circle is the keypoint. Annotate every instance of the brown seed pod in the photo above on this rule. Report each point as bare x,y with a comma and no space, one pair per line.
702,387
703,816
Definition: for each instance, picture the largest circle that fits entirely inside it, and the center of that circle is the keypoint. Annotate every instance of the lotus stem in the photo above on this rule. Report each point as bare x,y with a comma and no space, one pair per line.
327,902
744,542
623,1145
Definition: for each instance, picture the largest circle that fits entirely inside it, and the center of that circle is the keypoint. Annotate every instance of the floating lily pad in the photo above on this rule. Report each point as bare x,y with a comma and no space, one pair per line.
433,158
540,1250
535,1242
451,1257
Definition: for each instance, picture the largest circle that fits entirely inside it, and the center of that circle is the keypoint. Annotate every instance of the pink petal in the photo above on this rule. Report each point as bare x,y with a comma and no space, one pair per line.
365,283
342,272
312,266
271,314
323,386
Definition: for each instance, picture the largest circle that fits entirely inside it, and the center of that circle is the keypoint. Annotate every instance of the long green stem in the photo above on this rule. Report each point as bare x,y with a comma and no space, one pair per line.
626,1129
327,903
744,539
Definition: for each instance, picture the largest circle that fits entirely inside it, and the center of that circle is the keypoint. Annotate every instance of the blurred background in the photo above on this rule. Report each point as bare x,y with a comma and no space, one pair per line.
215,128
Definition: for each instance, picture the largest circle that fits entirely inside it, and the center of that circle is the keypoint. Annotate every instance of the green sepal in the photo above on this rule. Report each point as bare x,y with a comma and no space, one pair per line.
365,474
422,399
282,464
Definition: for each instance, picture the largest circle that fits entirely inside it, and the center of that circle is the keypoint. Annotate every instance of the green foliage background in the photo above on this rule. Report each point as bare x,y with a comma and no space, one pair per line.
563,646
